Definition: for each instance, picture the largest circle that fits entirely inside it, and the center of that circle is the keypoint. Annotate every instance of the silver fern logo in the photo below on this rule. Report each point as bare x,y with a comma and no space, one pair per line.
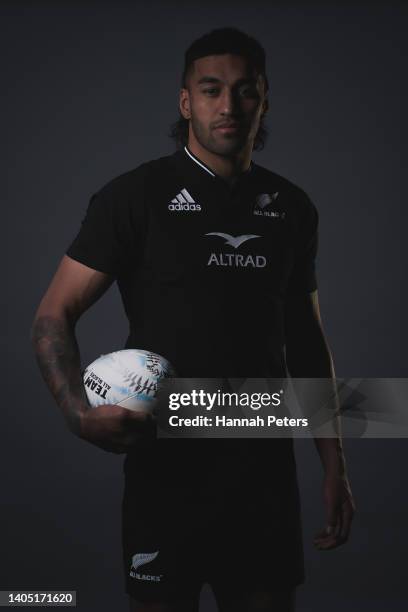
263,199
143,559
140,559
140,384
234,241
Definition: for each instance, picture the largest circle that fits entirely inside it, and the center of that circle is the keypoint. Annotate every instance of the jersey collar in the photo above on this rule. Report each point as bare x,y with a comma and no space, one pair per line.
205,168
198,162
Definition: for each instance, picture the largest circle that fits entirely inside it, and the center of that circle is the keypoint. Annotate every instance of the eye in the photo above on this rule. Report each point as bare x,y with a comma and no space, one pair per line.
248,92
210,91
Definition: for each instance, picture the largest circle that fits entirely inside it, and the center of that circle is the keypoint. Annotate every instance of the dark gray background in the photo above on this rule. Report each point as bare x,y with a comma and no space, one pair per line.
89,90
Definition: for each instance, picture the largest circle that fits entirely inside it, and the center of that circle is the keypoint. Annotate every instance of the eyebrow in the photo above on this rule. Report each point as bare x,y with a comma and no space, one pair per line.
211,79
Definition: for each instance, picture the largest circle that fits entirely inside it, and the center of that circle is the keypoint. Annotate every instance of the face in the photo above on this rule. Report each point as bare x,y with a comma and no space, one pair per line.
224,101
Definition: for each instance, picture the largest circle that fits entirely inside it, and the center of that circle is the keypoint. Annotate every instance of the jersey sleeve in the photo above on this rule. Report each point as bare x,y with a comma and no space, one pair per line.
303,276
111,229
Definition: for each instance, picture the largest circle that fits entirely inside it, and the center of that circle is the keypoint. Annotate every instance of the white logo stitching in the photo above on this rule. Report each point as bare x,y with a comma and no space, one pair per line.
234,241
142,559
263,199
184,201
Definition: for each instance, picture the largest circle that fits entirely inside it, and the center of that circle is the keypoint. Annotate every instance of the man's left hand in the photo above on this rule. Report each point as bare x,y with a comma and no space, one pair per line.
340,508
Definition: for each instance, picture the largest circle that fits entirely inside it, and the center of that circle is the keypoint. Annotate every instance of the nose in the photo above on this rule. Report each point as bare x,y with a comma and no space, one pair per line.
228,102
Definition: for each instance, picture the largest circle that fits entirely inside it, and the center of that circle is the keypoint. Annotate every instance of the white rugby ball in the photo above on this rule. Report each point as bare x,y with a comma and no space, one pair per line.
128,378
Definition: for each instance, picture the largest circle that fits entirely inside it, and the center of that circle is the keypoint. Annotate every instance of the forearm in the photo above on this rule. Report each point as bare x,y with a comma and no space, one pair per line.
318,364
58,357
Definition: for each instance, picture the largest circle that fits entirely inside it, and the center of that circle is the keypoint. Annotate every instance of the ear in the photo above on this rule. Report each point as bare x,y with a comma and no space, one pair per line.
184,103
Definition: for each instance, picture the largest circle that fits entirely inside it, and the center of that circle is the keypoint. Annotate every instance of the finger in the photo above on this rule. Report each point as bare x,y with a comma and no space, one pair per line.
136,420
320,535
332,515
339,525
323,538
333,541
140,419
347,517
327,544
327,531
330,531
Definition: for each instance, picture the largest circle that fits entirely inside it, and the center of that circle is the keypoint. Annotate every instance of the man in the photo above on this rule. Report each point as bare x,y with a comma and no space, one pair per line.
214,258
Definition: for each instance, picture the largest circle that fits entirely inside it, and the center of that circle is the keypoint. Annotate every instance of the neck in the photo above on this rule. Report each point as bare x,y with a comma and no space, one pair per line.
228,168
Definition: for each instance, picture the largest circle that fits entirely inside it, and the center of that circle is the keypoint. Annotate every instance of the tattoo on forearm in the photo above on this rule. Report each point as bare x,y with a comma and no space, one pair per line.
58,357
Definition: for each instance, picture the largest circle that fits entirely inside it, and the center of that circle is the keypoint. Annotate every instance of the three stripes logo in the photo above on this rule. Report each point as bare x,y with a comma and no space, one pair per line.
184,202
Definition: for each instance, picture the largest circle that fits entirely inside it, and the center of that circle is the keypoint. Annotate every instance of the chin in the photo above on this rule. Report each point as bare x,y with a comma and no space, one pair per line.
227,147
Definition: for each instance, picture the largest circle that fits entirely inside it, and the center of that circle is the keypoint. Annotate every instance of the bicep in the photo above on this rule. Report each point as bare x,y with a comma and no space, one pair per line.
73,289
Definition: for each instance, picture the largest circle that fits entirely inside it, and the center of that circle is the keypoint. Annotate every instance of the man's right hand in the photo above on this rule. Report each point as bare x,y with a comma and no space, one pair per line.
115,429
74,288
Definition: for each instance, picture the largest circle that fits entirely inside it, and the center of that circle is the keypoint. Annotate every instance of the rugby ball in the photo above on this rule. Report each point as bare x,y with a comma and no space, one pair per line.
128,378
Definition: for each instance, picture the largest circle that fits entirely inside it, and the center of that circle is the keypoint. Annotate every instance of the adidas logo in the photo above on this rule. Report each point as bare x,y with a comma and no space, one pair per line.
184,201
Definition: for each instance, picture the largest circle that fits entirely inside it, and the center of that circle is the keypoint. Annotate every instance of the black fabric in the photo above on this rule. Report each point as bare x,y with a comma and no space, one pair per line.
183,294
111,236
192,297
213,306
239,541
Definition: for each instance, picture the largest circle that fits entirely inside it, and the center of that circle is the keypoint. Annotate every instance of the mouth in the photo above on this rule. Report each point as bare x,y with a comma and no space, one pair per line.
228,128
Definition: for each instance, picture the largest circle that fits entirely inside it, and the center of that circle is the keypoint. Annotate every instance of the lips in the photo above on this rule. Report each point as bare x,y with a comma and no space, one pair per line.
227,126
228,129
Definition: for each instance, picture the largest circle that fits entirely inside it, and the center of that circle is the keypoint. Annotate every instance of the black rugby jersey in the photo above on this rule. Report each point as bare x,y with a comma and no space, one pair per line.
204,269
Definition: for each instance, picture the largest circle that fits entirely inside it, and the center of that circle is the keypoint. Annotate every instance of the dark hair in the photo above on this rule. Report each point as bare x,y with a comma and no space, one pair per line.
219,42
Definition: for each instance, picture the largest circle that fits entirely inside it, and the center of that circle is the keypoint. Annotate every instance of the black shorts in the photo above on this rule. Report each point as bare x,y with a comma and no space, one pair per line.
176,538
